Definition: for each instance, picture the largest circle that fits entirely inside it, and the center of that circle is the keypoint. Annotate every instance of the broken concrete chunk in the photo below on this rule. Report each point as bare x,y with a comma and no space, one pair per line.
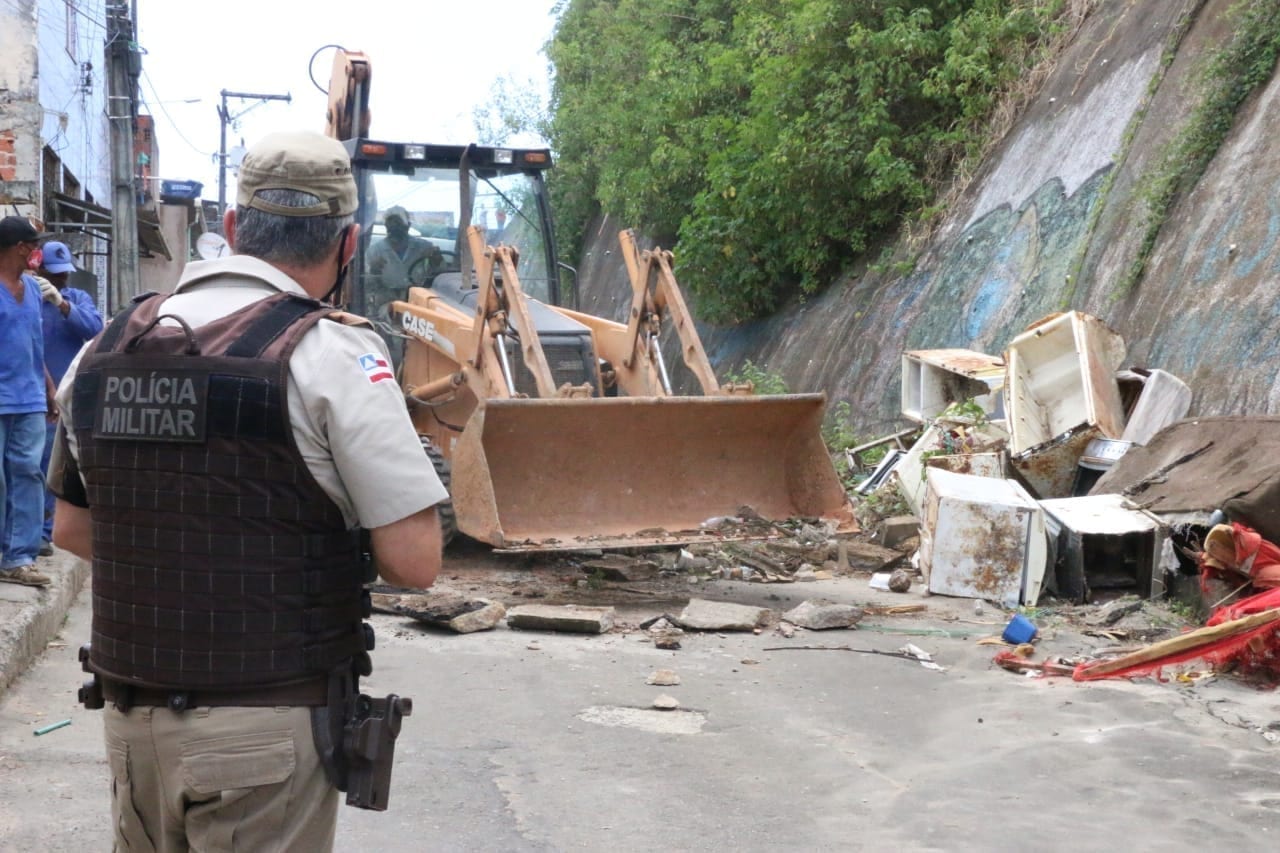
663,678
484,619
869,557
569,618
900,580
898,529
666,703
703,615
668,640
446,609
618,567
819,615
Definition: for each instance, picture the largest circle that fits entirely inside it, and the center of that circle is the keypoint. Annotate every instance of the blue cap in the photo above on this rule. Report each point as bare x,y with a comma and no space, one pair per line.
57,258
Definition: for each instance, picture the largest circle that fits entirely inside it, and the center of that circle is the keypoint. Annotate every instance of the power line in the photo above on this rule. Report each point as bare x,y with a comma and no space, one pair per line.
165,110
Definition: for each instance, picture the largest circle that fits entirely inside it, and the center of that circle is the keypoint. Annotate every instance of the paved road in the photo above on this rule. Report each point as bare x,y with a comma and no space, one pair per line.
527,742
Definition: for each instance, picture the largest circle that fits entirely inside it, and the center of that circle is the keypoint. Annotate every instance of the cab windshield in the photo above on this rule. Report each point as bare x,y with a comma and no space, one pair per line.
414,233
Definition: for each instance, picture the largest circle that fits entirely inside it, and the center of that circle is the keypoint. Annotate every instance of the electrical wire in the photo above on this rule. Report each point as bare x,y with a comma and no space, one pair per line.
311,65
165,111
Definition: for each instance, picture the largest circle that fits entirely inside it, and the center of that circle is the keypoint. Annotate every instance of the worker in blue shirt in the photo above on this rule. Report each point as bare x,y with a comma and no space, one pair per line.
69,318
26,396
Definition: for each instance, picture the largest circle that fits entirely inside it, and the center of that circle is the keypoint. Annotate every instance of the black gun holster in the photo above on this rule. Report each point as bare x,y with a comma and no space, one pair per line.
355,735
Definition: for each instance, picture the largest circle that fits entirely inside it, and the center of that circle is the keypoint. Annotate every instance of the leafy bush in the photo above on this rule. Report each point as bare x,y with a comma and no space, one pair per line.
762,379
774,140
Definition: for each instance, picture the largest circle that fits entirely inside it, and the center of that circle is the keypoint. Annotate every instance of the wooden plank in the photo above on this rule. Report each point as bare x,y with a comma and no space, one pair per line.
1182,643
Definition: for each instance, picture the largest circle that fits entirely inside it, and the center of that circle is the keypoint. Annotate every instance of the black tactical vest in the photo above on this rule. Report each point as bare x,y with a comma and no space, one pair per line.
218,561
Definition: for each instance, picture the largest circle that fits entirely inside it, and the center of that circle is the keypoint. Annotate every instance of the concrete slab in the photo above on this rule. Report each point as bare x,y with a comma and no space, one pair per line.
31,617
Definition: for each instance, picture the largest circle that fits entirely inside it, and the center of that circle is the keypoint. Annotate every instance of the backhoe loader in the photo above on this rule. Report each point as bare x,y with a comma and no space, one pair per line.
554,429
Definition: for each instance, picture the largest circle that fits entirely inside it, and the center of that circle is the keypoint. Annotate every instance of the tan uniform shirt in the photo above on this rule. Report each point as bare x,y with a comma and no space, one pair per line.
348,414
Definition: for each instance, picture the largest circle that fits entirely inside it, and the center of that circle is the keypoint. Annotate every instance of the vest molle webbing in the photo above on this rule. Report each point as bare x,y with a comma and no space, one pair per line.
218,561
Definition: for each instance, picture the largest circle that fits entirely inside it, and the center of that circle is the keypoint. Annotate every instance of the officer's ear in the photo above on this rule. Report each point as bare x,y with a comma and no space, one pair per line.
229,226
349,244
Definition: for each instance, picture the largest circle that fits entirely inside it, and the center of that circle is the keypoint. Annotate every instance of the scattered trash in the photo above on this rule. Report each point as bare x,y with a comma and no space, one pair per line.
880,581
907,652
44,730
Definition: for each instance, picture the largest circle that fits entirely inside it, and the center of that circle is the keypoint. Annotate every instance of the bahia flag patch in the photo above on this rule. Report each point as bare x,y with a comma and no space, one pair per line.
375,367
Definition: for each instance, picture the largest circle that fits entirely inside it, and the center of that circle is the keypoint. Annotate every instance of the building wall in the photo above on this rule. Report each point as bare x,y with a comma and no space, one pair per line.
161,274
20,112
72,91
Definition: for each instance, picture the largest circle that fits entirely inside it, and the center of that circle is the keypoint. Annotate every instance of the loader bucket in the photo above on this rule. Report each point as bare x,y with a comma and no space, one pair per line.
565,474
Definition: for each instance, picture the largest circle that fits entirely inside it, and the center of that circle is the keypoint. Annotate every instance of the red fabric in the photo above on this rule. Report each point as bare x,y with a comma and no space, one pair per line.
1254,555
1268,600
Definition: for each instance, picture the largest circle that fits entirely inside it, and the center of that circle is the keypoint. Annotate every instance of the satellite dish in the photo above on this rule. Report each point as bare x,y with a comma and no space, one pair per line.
210,246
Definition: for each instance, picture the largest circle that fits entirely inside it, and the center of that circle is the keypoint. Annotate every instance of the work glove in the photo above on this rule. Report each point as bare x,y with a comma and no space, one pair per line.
50,293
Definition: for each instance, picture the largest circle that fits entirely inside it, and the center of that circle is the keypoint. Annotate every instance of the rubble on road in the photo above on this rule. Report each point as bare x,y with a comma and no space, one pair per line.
443,609
703,615
663,678
566,618
821,615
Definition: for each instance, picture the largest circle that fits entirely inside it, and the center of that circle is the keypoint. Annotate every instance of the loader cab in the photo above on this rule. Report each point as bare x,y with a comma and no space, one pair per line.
441,190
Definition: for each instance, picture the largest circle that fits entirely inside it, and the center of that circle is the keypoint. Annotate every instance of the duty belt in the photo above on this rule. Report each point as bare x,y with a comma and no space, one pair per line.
310,693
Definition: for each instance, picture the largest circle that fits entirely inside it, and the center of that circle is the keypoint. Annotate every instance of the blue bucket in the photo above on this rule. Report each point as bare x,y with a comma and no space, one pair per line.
1019,630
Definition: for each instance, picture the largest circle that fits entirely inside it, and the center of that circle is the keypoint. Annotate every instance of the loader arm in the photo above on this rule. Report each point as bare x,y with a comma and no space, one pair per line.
497,305
347,116
655,295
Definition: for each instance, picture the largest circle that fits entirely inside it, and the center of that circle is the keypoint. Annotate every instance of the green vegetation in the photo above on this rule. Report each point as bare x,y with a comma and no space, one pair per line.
774,141
761,379
1231,74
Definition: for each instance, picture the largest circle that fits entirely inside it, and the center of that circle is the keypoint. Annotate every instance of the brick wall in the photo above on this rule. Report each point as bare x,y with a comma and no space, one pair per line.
8,156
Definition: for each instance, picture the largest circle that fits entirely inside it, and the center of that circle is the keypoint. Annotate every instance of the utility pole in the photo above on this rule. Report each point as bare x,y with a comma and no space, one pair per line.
124,65
226,119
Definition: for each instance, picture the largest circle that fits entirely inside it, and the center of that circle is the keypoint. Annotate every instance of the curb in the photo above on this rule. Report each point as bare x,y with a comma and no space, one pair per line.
30,618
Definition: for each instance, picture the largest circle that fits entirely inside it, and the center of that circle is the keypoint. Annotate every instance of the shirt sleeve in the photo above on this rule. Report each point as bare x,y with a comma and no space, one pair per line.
66,447
83,318
353,427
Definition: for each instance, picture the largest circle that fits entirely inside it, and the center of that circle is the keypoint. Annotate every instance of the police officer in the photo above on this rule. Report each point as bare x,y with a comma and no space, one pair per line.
220,448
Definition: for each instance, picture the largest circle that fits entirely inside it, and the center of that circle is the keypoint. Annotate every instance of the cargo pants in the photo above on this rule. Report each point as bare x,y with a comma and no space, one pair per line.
217,779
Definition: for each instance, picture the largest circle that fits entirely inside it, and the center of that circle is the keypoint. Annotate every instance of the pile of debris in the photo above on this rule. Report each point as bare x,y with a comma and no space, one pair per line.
1056,469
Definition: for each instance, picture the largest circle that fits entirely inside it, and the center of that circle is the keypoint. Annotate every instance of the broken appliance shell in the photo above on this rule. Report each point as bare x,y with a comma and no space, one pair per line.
1162,399
982,538
932,380
929,451
1061,393
1104,542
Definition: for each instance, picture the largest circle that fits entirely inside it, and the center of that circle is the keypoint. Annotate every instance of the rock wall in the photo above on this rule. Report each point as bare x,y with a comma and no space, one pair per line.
1051,222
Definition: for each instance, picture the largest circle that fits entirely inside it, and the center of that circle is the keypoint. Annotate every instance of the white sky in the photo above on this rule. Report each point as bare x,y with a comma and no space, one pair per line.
433,62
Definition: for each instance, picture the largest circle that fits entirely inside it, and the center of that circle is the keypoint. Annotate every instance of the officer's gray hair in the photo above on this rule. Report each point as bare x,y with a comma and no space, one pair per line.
302,241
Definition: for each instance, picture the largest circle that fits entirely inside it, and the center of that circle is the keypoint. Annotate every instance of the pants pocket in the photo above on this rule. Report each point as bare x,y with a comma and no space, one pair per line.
238,788
130,832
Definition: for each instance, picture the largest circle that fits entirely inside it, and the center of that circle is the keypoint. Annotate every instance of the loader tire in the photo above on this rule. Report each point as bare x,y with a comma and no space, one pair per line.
444,509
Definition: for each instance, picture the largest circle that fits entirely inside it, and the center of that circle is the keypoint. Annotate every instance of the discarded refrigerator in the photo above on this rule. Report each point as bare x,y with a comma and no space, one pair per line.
982,538
1061,393
934,379
1104,542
